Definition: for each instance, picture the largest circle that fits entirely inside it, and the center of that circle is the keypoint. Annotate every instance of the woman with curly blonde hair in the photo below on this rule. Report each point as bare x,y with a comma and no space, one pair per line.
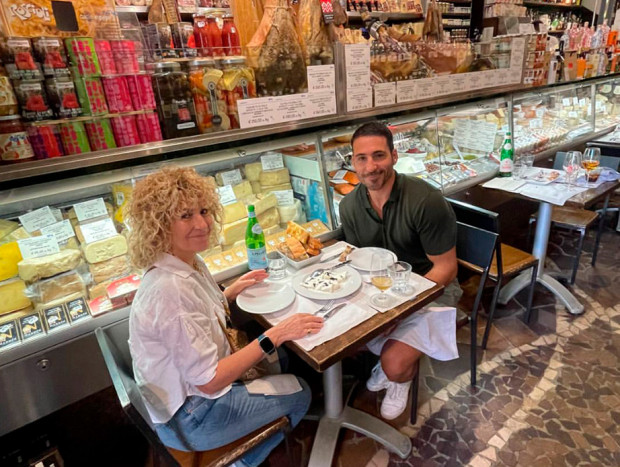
182,360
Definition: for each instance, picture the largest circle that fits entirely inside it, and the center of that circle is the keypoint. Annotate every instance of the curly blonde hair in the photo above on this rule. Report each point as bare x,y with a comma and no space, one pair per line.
159,198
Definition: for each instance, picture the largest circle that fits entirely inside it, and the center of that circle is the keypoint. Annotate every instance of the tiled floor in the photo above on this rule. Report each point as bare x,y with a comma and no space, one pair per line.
548,393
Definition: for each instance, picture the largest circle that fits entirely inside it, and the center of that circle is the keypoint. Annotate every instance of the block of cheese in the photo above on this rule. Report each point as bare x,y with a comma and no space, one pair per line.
17,234
78,233
10,255
253,171
264,203
270,188
12,296
290,213
33,269
99,290
242,189
269,218
70,244
233,212
256,187
105,249
58,301
60,286
115,267
274,177
233,232
6,227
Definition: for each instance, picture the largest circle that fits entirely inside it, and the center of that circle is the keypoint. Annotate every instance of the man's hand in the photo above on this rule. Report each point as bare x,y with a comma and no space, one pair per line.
245,281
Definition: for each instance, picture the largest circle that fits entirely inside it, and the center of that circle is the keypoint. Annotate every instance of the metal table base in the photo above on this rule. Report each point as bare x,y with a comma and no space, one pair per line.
541,239
336,416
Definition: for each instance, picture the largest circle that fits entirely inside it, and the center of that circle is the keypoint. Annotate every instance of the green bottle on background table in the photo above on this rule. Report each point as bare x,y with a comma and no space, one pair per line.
255,242
506,157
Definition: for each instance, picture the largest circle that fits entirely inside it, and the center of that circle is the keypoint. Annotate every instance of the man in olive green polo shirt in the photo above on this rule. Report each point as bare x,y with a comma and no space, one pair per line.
412,219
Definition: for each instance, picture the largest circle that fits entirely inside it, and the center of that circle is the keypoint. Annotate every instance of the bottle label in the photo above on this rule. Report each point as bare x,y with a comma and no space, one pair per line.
257,229
257,258
505,166
507,147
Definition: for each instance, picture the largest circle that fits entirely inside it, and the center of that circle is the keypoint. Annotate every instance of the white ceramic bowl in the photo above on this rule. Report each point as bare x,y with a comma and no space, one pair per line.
303,263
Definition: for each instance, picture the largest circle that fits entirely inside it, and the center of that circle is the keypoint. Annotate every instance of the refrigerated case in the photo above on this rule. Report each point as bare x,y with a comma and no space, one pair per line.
303,178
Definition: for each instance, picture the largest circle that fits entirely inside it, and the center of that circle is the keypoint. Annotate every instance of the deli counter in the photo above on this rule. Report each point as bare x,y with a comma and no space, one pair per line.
68,235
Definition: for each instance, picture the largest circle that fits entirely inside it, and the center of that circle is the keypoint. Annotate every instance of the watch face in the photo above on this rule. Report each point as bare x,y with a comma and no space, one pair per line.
266,344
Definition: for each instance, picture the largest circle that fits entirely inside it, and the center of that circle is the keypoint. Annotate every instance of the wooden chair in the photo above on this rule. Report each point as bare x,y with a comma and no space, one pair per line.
507,262
576,219
115,350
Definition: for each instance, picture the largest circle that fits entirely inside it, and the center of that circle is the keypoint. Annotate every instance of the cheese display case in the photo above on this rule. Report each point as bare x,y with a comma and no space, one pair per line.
607,104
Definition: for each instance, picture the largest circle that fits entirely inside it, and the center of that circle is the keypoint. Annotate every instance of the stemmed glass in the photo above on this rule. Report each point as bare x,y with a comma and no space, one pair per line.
380,278
572,164
591,160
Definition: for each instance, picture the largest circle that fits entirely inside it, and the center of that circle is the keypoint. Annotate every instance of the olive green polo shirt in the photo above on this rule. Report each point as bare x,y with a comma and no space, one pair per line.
417,221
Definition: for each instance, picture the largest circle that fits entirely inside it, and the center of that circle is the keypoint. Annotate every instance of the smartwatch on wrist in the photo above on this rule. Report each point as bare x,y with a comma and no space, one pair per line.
266,345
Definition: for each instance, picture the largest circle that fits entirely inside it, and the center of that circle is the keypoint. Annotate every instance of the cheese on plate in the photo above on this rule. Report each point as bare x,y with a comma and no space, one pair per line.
327,281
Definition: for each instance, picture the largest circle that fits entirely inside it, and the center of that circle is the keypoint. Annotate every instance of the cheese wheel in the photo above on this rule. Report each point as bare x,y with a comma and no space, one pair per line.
10,255
103,250
12,296
33,269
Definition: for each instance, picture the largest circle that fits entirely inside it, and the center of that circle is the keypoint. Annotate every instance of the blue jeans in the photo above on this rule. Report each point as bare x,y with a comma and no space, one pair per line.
202,424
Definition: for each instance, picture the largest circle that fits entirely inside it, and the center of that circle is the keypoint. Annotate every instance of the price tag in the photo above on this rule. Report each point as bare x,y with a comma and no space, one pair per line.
35,247
566,102
536,123
385,94
291,108
318,105
598,105
417,166
321,78
31,326
339,175
90,209
358,78
575,101
540,112
35,220
8,334
406,90
77,309
227,195
231,177
572,114
582,103
55,317
272,161
61,231
57,213
285,197
359,99
357,55
98,230
256,112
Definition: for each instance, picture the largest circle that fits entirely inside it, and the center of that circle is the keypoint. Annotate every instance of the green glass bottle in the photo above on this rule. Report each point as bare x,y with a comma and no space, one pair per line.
506,158
255,242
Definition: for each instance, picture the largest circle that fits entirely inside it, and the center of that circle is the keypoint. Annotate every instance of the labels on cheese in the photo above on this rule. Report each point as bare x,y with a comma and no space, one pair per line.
10,255
228,177
34,269
271,160
115,267
13,296
31,325
90,209
274,177
60,230
226,194
35,220
98,230
96,208
36,247
285,197
104,250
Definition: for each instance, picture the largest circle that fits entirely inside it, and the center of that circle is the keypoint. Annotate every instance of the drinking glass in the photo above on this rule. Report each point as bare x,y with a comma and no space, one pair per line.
590,162
380,278
572,164
276,266
400,272
518,169
528,161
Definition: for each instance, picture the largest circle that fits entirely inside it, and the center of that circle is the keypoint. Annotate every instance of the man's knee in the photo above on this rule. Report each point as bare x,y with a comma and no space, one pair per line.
398,360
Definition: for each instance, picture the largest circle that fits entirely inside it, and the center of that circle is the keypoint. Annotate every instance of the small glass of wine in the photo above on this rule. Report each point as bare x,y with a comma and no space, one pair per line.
590,161
380,278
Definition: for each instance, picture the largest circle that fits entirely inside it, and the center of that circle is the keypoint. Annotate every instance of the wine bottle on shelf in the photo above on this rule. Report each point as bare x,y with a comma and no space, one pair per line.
255,242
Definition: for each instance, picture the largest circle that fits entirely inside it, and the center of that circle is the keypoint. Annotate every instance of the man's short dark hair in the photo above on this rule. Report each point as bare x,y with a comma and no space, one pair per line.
374,129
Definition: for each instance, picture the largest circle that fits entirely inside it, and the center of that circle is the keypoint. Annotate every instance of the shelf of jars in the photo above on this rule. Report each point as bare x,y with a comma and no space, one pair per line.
563,5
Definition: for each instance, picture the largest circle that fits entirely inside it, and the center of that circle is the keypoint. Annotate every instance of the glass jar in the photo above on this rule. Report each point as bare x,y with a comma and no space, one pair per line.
175,105
201,36
14,144
230,36
237,83
215,37
8,101
211,110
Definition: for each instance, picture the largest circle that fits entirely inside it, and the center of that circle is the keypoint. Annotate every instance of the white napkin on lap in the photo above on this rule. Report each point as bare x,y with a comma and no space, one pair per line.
274,385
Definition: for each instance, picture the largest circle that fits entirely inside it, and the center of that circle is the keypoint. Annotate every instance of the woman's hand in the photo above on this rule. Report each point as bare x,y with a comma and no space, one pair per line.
245,281
295,327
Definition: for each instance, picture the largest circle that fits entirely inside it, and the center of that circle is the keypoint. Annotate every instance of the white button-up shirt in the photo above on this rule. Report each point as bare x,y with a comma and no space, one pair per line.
174,335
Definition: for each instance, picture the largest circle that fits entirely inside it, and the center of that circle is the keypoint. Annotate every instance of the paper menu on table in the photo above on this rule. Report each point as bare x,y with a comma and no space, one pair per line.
506,184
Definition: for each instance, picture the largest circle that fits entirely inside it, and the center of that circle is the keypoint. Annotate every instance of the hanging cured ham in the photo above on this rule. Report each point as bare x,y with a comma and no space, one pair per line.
313,33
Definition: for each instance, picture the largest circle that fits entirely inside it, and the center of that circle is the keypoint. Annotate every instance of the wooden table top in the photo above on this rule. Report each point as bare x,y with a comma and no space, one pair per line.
325,355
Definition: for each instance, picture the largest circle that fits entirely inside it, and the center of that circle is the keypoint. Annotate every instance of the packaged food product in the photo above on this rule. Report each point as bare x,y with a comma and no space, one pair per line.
201,36
8,101
117,94
33,100
74,137
148,127
125,130
237,83
83,55
230,36
33,269
183,39
141,91
91,95
105,56
215,37
56,287
125,56
14,144
50,51
63,97
45,140
208,97
18,57
100,135
175,106
159,39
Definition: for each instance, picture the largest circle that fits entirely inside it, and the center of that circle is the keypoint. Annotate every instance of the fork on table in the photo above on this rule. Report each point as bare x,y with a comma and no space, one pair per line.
325,307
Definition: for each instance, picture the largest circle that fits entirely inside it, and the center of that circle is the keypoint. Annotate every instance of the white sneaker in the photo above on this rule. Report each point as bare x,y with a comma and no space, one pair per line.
395,400
377,380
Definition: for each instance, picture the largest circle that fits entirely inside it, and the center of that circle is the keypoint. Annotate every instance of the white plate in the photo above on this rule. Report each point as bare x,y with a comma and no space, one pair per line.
266,297
539,176
362,257
353,283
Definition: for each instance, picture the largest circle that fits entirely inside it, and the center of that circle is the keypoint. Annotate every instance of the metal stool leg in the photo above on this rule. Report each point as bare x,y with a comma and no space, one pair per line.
487,329
415,385
582,234
601,227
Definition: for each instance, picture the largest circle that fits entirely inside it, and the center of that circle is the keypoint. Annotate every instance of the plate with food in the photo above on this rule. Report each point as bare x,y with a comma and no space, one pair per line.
320,283
299,247
540,176
361,258
266,297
